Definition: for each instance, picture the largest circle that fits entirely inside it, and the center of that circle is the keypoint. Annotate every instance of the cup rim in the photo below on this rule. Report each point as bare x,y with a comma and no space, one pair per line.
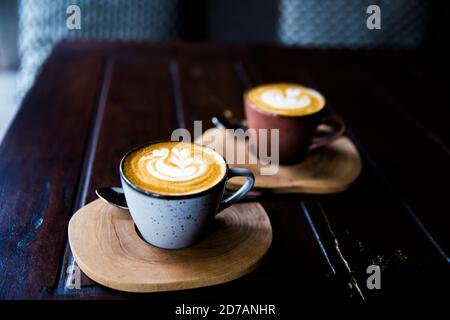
273,114
170,196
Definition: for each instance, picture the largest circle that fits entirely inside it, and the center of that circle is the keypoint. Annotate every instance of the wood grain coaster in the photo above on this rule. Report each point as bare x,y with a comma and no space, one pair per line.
108,249
328,169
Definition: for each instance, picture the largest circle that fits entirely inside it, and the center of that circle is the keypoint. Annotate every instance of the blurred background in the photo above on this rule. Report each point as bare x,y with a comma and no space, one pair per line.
29,29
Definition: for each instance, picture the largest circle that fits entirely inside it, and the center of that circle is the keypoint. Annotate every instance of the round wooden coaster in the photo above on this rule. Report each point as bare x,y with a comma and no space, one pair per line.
108,249
326,170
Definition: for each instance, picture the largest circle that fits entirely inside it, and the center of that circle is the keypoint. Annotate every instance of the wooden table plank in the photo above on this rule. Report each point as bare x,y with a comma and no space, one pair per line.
40,163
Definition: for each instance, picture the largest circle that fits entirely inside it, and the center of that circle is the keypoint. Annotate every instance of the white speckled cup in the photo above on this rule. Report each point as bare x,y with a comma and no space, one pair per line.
173,222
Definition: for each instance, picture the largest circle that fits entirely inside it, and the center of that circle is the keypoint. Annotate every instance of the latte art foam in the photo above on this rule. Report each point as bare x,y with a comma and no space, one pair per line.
174,168
174,164
286,99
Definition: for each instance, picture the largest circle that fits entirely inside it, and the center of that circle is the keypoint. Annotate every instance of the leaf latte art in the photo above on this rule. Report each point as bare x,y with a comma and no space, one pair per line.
286,99
174,168
174,165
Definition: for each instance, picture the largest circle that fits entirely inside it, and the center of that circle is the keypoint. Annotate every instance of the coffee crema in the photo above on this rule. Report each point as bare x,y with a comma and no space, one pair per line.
174,168
286,99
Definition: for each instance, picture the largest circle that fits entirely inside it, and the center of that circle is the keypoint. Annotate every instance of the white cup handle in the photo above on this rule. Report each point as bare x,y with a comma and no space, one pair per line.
239,194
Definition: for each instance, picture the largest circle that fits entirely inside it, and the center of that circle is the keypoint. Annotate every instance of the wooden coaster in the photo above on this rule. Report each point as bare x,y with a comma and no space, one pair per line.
108,249
326,170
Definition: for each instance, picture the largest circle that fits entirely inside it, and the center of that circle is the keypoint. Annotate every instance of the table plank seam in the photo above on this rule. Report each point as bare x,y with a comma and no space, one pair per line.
86,169
343,260
317,237
242,74
89,155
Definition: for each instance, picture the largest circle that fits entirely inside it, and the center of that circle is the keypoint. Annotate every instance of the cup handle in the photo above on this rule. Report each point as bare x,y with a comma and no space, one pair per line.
335,121
239,194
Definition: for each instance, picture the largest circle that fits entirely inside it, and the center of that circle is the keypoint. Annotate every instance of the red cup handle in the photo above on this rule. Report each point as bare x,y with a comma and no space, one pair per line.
336,122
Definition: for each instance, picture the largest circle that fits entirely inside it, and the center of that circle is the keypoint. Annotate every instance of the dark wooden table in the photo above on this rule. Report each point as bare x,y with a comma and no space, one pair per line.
94,101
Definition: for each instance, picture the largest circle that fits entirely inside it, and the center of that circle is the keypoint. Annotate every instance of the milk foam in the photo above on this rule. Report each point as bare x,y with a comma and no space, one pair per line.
286,99
174,168
174,164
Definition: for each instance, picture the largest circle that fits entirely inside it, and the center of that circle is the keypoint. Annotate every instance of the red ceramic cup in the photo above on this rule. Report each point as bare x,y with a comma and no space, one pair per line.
296,131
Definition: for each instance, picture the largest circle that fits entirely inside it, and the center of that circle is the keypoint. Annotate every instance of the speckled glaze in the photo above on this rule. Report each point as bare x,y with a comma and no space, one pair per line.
173,222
